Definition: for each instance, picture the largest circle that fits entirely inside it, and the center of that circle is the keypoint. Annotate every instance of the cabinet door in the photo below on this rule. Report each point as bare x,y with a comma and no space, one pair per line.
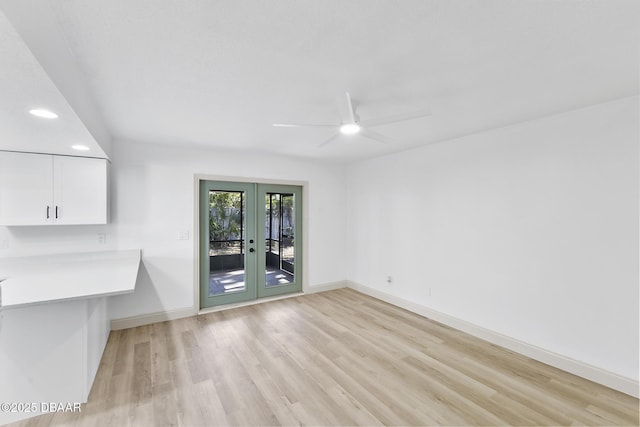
80,190
26,189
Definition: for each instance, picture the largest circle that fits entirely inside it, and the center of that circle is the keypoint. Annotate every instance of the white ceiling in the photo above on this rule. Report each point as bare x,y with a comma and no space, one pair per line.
24,85
219,73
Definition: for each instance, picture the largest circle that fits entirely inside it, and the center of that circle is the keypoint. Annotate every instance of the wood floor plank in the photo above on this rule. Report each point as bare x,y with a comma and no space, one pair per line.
165,409
332,358
124,354
160,370
142,373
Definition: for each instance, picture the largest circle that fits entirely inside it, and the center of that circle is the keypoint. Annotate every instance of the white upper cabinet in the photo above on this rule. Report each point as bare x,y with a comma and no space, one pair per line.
40,189
79,190
26,188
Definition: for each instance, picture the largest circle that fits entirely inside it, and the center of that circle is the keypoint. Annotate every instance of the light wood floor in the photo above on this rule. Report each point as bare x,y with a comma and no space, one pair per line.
333,358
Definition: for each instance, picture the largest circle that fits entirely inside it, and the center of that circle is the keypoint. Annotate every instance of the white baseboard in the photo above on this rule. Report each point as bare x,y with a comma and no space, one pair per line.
617,382
327,287
231,306
147,319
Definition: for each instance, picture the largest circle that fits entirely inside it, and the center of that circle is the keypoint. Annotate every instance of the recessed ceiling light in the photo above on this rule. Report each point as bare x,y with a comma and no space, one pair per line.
349,128
45,114
80,147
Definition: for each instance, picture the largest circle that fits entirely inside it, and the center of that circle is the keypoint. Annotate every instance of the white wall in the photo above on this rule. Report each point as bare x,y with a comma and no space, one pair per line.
42,240
530,231
153,200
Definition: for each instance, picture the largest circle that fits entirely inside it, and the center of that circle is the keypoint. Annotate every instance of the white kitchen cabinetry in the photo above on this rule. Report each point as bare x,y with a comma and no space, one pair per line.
79,190
41,189
25,188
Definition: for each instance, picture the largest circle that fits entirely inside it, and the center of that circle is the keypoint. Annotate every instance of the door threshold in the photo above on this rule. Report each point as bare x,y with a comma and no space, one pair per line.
223,307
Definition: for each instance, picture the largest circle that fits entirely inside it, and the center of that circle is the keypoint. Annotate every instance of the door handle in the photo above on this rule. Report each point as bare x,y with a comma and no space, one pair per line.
251,250
47,212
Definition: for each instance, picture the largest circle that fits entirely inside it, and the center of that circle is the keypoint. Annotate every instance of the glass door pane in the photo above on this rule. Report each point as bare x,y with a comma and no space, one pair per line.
279,230
287,235
226,241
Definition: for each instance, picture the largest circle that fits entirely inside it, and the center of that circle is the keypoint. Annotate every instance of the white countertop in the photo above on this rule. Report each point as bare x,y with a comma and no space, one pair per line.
63,277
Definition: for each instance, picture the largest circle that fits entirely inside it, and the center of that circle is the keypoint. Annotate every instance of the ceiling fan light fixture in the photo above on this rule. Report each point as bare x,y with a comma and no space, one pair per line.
349,128
43,113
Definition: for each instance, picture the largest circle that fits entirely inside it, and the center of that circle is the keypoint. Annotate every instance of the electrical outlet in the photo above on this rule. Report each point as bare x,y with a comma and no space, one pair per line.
102,238
183,235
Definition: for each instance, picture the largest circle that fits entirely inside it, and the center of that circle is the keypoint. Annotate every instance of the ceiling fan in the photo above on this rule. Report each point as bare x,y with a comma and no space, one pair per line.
353,125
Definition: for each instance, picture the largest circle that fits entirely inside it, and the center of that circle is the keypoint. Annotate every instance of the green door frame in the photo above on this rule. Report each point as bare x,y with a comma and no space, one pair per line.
250,291
255,225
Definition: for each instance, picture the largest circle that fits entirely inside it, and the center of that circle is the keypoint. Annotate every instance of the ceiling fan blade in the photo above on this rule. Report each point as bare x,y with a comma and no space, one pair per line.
368,133
395,119
302,125
334,137
352,114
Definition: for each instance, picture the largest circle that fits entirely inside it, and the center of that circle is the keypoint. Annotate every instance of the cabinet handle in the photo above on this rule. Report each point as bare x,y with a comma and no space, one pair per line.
47,212
56,212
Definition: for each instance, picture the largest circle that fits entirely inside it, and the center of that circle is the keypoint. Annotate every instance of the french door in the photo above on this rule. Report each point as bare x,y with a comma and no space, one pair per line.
250,241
